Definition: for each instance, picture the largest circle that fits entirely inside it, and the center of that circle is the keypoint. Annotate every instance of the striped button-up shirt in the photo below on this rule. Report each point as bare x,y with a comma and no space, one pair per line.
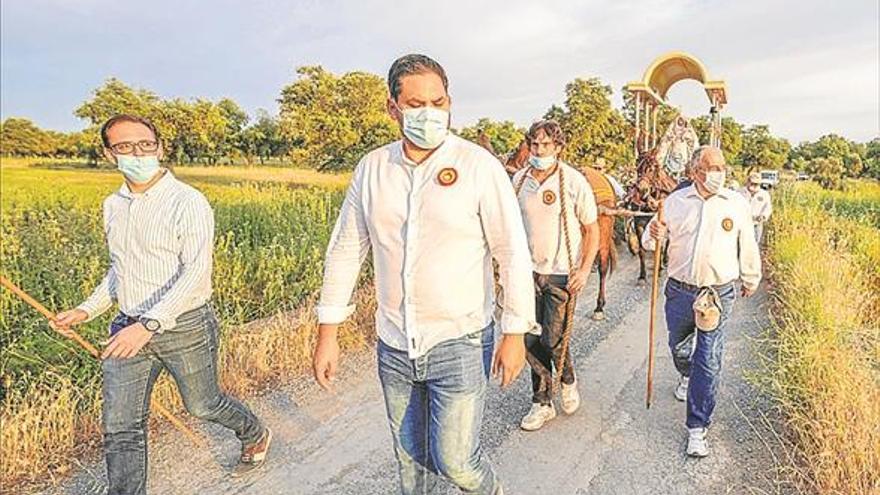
161,244
433,229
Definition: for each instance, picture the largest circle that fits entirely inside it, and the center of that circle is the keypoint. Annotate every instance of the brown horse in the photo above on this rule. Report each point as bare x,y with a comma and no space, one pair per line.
652,185
605,204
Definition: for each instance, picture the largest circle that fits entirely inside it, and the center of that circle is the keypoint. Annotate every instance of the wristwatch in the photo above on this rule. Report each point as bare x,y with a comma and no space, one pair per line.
150,324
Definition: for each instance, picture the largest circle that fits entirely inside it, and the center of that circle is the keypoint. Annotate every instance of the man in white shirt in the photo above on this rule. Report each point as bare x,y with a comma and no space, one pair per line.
711,245
435,209
559,212
759,202
160,234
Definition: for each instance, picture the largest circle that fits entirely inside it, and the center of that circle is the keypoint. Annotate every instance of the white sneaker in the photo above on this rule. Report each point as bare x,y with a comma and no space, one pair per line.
681,391
537,416
571,398
697,444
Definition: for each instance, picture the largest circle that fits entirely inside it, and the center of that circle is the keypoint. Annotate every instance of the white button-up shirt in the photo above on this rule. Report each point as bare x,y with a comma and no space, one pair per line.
711,241
759,203
433,229
161,244
541,208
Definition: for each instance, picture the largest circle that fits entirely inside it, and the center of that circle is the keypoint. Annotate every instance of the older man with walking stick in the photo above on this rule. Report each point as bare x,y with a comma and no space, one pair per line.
160,234
711,246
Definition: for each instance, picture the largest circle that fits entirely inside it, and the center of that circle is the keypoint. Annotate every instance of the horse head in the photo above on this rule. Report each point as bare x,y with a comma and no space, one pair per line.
517,159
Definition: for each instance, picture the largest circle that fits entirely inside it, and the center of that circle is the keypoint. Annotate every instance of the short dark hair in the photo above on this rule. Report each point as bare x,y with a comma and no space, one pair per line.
551,128
124,117
408,65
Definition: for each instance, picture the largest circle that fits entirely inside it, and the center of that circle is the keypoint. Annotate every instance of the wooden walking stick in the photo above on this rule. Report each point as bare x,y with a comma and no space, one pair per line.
658,251
97,355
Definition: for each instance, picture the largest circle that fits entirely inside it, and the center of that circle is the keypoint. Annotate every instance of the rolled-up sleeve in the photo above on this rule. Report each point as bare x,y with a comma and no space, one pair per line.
506,236
101,298
346,252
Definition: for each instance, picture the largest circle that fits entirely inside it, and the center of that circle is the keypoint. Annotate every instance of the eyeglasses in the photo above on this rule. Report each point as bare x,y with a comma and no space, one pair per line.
127,147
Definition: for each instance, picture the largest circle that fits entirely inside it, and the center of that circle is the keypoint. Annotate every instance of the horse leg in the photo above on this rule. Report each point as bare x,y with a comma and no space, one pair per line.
599,312
643,275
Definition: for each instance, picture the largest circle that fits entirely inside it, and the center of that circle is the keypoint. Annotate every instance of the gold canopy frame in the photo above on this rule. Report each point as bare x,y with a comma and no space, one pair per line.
650,94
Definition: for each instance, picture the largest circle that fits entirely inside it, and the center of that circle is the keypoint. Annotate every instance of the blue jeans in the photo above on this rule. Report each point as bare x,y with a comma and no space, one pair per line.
435,409
189,352
700,362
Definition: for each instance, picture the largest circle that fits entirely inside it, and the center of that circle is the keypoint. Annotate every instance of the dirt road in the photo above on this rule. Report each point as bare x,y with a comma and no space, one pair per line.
339,443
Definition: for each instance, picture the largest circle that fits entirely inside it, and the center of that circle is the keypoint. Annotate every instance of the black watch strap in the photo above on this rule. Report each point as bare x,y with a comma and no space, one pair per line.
150,324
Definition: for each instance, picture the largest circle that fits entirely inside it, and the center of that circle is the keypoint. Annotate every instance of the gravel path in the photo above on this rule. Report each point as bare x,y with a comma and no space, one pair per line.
339,443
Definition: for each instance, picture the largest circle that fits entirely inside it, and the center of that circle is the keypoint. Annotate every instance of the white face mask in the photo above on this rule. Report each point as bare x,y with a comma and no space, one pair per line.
425,127
714,181
542,162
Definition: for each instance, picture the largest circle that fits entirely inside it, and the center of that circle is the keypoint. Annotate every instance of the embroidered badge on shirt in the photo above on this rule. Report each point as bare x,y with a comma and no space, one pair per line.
549,197
447,176
727,224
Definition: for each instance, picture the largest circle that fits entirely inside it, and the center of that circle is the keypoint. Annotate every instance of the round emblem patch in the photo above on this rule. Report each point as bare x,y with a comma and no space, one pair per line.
549,197
447,176
727,224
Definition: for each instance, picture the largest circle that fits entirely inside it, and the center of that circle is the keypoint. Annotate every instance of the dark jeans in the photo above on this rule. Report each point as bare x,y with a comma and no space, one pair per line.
700,362
435,410
551,301
189,352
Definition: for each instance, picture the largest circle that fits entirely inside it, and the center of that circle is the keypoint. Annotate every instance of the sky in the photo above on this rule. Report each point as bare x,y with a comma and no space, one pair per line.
805,68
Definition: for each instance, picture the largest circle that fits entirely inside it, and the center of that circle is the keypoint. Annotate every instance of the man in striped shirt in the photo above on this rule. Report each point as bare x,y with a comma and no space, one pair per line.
160,235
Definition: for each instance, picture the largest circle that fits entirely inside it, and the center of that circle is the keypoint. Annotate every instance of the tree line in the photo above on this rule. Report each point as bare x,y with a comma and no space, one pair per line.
327,121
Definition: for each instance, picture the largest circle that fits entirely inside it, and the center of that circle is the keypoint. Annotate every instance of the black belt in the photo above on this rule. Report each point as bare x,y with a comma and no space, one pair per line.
693,288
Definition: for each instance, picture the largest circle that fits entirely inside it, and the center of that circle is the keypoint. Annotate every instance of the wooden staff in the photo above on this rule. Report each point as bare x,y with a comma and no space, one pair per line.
97,355
658,248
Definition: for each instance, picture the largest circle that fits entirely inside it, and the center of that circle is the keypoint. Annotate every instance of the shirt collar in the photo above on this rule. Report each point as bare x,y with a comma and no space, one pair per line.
164,183
444,146
691,191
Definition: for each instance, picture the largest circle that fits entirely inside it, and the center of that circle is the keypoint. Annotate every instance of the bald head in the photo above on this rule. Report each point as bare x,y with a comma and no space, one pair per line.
707,158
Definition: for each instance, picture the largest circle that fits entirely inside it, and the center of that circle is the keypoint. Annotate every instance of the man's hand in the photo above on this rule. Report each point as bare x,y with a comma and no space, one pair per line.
127,342
325,360
747,292
66,319
658,230
509,358
578,280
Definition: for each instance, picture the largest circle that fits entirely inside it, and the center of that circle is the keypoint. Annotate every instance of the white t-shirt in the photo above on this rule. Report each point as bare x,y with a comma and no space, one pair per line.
541,208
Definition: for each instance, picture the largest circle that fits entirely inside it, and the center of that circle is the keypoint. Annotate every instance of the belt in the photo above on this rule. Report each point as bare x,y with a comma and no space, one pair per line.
694,288
131,320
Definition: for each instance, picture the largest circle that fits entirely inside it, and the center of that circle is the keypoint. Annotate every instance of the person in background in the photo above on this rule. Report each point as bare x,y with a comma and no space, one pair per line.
759,201
601,166
560,213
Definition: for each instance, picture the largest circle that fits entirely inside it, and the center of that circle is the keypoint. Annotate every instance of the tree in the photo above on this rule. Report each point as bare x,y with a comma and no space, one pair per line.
850,154
872,158
505,136
21,137
828,172
262,139
330,121
592,127
760,149
731,136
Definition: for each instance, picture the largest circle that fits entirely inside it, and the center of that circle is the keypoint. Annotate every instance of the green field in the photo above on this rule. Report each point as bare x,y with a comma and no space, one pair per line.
272,227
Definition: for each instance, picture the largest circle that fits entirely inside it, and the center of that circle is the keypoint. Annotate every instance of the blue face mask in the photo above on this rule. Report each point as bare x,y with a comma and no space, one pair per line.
425,127
138,169
542,162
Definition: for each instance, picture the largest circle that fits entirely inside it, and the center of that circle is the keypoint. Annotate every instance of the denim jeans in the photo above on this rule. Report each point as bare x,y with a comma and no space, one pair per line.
700,362
189,352
435,409
551,301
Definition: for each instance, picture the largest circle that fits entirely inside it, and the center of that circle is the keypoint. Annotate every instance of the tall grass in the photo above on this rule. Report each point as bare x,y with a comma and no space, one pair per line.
269,245
825,254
